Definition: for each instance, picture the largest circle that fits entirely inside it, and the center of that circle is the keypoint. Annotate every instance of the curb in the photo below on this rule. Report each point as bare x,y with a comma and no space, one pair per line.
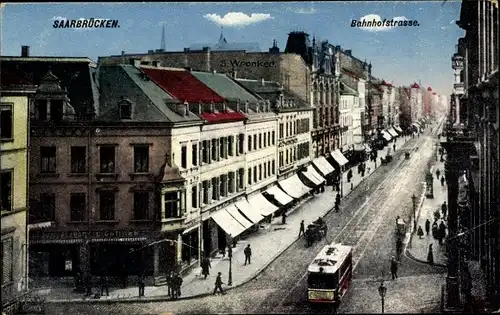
163,298
409,255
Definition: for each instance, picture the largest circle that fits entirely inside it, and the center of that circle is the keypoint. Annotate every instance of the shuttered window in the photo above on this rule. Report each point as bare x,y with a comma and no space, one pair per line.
7,258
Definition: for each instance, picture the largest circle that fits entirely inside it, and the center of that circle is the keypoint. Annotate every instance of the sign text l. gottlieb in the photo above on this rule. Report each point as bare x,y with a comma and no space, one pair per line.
234,63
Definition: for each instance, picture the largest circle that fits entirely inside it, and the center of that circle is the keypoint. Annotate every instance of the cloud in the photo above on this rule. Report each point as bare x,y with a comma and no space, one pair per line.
377,18
302,10
238,19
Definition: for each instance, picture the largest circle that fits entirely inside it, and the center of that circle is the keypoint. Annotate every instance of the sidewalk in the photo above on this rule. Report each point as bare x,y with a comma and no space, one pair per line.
267,244
419,248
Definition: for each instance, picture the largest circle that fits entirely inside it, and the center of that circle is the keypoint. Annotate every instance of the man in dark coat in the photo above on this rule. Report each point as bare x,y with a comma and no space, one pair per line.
283,217
427,226
394,268
337,199
142,286
104,285
441,232
444,209
218,284
442,180
248,254
302,228
349,175
177,284
170,283
205,267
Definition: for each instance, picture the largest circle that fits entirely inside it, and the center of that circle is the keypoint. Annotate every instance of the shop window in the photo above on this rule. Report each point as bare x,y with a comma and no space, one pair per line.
172,201
141,205
141,159
6,119
77,206
107,205
78,159
107,159
6,189
7,260
48,159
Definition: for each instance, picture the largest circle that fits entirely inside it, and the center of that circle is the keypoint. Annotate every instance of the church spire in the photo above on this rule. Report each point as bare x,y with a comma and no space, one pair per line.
163,45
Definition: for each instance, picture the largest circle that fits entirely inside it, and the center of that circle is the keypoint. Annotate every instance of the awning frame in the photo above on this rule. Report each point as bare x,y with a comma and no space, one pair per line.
276,191
339,157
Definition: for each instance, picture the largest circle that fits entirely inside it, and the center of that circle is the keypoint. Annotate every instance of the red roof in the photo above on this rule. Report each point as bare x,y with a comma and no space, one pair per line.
429,89
182,85
386,83
415,86
221,117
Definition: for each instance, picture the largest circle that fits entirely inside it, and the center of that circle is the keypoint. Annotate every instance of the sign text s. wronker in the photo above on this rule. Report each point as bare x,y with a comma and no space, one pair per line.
253,64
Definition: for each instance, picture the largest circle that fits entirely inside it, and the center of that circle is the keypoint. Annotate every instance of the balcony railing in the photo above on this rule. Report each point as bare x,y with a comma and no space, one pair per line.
460,133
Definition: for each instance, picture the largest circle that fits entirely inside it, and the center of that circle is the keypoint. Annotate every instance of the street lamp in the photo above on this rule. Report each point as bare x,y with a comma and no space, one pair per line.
414,201
382,291
230,255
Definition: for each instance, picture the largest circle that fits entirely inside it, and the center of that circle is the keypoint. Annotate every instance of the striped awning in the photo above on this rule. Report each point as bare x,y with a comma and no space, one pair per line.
386,135
398,129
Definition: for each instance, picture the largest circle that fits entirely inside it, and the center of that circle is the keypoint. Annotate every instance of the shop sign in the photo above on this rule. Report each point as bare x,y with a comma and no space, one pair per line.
71,235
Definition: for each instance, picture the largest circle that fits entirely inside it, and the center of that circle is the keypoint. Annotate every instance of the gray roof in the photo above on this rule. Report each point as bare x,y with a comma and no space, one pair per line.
151,103
225,87
270,90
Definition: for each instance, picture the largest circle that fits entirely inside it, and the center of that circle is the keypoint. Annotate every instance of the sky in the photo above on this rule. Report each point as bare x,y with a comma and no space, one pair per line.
401,55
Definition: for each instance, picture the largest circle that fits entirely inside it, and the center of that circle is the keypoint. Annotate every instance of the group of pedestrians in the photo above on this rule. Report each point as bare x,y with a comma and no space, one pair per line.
438,173
174,283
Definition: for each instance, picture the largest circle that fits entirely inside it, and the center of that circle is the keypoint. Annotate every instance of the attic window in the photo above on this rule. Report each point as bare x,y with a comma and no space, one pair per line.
125,110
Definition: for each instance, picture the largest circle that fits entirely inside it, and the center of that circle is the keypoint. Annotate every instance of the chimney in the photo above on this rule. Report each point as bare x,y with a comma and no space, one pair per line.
123,52
154,63
262,81
224,107
348,52
199,108
234,74
238,106
25,51
214,71
246,107
337,48
185,109
212,107
135,62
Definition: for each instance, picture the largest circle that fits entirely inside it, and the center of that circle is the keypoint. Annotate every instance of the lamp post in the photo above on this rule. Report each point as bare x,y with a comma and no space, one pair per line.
382,290
230,255
414,201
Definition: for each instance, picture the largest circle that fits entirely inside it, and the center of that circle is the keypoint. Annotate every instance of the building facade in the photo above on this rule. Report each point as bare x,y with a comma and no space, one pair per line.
472,163
14,141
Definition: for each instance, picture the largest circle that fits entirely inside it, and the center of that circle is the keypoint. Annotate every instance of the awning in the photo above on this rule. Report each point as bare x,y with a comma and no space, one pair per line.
279,195
417,124
228,223
263,205
367,148
323,165
346,148
313,176
252,214
393,133
339,157
386,135
359,147
233,211
294,187
190,229
398,129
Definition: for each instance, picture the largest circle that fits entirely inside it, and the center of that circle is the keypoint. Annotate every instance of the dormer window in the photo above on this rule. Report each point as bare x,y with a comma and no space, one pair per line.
125,109
41,109
56,110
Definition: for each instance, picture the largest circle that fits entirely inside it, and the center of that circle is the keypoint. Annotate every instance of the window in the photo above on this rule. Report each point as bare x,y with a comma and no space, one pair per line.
269,138
241,176
231,146
141,159
260,141
206,191
287,129
281,131
241,143
194,197
214,149
265,170
222,153
249,176
6,122
265,139
184,157
268,168
273,167
272,137
215,188
41,107
77,206
230,184
141,205
255,174
78,159
6,189
107,205
125,110
48,158
172,201
107,159
194,154
204,151
255,142
260,172
249,143
7,260
47,207
56,110
223,185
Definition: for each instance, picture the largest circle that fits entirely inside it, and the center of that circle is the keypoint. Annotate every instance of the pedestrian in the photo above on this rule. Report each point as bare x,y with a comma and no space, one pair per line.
441,232
248,254
444,209
177,284
394,268
337,207
302,228
437,173
104,285
223,252
337,186
283,217
218,284
394,147
337,198
399,246
430,255
420,232
427,226
141,286
442,180
229,251
435,230
170,284
205,267
349,175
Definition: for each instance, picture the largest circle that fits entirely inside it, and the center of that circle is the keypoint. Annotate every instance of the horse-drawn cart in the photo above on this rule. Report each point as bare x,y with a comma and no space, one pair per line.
400,227
316,231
